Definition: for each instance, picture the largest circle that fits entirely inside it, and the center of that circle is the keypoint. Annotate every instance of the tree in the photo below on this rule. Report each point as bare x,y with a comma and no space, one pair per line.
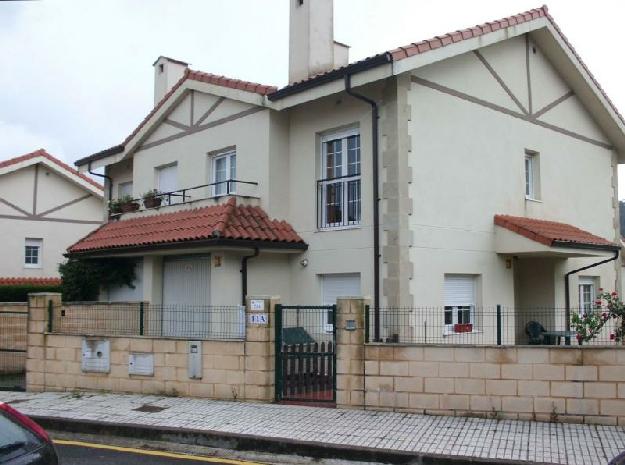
83,279
608,307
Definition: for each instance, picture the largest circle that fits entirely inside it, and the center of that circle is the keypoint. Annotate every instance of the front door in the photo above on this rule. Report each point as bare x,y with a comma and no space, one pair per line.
186,296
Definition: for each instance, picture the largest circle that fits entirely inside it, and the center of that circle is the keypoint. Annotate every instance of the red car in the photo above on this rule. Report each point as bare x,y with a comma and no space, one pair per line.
22,441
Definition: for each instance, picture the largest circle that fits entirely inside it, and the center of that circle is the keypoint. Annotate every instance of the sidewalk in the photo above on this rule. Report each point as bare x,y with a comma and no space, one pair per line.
351,431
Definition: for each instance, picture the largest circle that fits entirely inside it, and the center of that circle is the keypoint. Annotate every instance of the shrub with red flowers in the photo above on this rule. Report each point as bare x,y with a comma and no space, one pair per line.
608,308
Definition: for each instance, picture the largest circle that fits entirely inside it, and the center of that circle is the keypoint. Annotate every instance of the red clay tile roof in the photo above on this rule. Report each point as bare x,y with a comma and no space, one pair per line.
56,161
225,221
550,233
30,281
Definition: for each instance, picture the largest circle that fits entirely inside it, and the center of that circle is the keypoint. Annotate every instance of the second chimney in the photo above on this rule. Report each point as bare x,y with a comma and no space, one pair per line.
312,49
167,72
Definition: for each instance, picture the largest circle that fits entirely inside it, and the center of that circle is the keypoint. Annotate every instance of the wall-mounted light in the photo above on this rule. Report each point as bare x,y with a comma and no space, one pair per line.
304,262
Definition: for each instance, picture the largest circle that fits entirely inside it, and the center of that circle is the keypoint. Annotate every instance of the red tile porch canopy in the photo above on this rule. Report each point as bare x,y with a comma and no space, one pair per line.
552,233
225,223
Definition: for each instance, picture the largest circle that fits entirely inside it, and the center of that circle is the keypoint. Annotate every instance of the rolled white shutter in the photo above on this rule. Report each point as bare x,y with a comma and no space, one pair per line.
459,290
339,285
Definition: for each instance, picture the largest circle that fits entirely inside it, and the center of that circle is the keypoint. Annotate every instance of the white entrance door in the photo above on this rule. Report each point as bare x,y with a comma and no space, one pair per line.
186,296
338,285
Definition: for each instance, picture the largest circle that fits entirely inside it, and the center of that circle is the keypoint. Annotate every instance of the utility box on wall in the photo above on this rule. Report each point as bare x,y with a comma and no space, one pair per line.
195,360
96,355
141,364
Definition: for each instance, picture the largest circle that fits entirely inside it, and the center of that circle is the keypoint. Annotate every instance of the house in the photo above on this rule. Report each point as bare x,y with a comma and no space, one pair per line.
45,206
474,169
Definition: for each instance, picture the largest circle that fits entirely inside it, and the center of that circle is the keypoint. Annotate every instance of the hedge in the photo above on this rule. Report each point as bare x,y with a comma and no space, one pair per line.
19,292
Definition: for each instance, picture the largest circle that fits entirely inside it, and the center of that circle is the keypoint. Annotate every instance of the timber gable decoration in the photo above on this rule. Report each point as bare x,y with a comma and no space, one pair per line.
50,212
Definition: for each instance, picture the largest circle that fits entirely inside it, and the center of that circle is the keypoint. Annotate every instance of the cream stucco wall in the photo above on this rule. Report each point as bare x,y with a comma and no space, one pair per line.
36,214
467,161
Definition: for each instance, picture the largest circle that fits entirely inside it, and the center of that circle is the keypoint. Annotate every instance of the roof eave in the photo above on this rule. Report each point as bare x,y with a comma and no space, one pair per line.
586,246
233,243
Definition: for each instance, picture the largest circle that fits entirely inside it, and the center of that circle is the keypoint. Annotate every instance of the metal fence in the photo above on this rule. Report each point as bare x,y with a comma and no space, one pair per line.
470,325
13,344
144,319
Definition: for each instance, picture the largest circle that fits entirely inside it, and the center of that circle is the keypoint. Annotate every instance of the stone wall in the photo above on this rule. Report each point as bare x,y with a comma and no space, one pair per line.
230,369
569,384
13,336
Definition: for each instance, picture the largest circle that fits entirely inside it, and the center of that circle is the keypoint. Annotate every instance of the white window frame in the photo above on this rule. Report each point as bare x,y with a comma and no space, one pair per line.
33,243
460,306
589,282
122,186
230,156
167,200
345,181
532,175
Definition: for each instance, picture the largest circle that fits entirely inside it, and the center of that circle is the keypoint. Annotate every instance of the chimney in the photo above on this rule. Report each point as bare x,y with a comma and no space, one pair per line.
167,72
312,49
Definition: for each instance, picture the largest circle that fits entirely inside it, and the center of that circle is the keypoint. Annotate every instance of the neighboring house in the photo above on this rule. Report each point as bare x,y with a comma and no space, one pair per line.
490,173
45,206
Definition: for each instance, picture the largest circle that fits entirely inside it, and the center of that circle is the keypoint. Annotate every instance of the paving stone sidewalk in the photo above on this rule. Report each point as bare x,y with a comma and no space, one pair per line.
570,444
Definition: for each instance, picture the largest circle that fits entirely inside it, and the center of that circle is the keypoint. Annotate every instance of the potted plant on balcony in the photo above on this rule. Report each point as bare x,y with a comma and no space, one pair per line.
152,199
127,204
115,207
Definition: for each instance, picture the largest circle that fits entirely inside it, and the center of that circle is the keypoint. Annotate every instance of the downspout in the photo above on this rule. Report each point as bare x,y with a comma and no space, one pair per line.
108,178
567,297
376,209
244,274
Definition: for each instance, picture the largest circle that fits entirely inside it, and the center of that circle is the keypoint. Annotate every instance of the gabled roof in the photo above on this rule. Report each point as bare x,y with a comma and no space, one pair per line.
394,56
42,156
552,233
215,225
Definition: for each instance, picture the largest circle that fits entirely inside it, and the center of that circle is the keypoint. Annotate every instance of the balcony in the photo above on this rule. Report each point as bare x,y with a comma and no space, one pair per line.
339,202
190,197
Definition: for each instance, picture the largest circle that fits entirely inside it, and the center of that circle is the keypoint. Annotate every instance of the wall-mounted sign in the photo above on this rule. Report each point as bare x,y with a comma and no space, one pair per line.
259,319
257,305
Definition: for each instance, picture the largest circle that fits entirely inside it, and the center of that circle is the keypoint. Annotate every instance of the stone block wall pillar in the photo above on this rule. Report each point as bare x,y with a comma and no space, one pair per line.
260,348
350,352
38,304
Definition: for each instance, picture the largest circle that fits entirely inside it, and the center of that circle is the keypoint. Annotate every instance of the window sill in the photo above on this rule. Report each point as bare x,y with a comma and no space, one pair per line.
531,199
339,228
33,267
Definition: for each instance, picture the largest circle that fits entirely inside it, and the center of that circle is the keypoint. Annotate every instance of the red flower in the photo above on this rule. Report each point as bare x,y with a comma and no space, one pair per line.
578,336
600,289
614,293
612,336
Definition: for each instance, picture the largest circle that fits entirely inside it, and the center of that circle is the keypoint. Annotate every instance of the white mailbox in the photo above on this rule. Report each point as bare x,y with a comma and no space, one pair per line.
141,364
194,366
96,355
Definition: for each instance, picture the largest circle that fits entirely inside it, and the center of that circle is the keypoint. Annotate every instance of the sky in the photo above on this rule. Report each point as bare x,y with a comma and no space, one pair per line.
76,76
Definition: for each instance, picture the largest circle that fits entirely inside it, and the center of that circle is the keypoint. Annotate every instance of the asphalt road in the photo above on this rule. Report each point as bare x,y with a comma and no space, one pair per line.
96,454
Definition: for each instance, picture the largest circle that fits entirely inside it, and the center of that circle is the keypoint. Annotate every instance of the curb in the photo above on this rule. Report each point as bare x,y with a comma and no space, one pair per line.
245,442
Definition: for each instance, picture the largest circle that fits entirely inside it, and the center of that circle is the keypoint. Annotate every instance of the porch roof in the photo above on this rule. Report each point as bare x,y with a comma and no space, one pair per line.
547,236
224,224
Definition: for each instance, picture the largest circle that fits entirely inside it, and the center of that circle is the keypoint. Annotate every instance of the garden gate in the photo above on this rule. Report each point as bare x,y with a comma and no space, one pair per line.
306,353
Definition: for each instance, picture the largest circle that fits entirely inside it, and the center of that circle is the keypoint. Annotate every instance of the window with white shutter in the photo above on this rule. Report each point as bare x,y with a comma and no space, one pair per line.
167,180
459,302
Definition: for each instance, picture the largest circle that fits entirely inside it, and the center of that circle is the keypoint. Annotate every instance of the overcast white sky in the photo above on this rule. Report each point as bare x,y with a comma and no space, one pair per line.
76,76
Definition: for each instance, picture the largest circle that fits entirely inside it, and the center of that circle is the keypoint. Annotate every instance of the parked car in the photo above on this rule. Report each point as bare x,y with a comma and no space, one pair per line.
22,441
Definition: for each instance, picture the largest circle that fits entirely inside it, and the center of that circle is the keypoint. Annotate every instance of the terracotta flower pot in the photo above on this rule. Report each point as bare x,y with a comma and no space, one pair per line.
152,202
129,207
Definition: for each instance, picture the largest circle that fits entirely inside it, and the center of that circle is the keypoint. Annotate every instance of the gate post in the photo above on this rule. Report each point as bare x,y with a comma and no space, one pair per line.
350,352
260,348
39,304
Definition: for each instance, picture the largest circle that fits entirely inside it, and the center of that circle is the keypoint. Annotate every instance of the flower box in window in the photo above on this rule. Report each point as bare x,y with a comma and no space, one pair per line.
463,327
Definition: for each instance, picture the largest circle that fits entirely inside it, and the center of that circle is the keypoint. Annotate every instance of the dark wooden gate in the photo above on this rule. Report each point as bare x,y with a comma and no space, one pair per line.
13,344
306,353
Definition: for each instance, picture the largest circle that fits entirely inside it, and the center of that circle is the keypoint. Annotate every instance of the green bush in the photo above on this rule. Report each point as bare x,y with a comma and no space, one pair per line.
19,292
83,279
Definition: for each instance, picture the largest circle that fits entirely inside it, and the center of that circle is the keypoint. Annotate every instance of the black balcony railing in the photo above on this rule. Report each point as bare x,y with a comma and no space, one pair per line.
189,194
339,202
